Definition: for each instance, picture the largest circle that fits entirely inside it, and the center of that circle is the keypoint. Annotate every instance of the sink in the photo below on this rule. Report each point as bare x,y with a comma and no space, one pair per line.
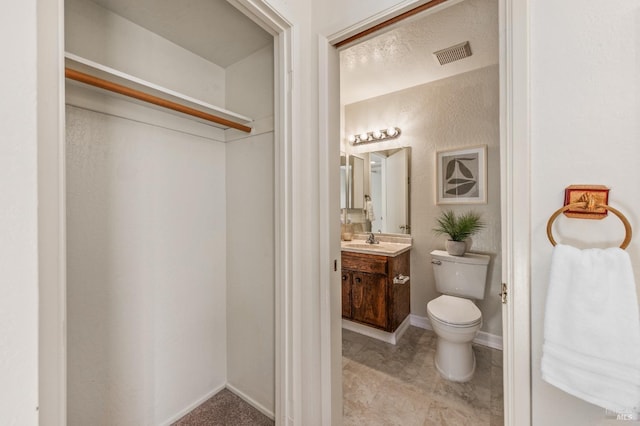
364,246
384,248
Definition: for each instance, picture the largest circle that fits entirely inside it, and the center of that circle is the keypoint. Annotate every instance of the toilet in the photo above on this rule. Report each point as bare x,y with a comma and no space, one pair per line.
454,316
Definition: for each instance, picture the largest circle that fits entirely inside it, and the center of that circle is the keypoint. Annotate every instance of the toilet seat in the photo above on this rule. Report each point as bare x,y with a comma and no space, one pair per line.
454,311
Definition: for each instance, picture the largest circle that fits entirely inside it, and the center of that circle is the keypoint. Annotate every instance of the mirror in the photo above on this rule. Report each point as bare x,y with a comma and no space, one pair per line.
351,182
356,182
388,205
343,181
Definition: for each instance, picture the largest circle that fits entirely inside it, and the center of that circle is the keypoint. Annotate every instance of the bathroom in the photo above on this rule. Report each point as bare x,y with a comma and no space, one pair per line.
393,80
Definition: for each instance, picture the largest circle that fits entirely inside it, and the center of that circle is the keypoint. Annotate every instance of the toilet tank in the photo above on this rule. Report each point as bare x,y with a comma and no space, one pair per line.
464,276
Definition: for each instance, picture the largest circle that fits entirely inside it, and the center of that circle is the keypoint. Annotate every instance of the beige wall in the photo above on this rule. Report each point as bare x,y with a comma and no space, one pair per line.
455,112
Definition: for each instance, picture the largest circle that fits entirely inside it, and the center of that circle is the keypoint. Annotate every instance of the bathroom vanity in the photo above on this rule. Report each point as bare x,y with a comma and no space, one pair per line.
375,284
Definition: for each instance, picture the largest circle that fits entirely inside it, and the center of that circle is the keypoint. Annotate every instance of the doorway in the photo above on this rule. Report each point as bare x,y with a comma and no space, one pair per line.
514,174
393,80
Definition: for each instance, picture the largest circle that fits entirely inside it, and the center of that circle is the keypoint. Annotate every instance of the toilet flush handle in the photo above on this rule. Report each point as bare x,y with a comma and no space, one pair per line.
436,262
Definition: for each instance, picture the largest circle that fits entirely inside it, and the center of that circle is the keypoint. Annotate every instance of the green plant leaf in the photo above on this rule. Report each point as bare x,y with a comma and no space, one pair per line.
458,228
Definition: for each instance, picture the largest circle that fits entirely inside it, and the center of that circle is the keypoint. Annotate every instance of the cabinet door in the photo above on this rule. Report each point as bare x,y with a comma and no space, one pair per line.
369,299
346,294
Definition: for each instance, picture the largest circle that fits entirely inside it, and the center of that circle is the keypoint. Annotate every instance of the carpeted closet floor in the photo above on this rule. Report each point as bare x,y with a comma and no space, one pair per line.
225,409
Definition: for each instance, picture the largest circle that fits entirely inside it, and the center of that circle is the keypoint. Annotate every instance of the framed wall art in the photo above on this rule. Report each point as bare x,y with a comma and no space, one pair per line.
461,176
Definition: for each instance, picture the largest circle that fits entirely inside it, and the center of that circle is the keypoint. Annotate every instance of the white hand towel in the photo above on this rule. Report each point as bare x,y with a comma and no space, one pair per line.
368,211
591,329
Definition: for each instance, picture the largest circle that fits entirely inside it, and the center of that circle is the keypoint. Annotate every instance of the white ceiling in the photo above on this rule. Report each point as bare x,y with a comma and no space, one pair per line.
213,29
403,56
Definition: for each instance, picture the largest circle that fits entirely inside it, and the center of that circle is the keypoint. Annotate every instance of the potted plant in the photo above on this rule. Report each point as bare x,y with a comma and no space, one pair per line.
458,228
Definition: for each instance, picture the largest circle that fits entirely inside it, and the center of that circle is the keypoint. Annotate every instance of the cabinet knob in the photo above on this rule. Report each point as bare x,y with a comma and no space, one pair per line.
358,280
344,278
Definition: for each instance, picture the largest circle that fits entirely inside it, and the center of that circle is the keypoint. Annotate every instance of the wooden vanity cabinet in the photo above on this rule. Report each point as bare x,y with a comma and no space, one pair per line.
369,295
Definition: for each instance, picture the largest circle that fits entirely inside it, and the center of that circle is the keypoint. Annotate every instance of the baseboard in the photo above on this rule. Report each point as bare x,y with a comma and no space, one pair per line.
482,338
378,334
264,410
192,406
209,394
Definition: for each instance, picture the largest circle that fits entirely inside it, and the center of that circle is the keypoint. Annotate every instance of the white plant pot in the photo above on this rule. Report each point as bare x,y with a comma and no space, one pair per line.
456,248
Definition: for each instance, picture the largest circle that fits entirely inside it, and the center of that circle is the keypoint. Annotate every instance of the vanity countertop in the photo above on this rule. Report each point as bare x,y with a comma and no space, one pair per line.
389,245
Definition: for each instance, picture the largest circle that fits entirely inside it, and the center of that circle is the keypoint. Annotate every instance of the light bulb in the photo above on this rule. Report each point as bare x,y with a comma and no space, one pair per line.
391,131
351,138
364,137
377,134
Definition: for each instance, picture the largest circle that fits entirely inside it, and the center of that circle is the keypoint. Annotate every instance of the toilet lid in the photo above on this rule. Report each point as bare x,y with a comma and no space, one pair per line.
454,310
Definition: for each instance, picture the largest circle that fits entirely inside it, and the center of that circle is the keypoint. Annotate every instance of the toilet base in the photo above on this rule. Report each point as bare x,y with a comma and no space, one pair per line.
455,361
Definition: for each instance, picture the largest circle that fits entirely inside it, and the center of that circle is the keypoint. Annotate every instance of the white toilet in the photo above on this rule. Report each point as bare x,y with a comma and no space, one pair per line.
454,316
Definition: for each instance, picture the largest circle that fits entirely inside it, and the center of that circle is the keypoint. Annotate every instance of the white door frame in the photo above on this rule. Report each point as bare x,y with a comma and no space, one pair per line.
281,29
515,166
515,196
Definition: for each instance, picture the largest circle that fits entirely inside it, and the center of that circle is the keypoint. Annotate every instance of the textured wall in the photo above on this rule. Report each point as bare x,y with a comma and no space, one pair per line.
402,57
146,270
455,112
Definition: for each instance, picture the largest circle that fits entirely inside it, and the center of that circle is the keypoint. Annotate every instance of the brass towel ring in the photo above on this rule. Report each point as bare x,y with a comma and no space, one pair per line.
627,225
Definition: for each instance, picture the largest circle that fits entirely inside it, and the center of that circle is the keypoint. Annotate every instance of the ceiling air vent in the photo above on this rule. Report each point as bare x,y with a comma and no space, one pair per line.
453,53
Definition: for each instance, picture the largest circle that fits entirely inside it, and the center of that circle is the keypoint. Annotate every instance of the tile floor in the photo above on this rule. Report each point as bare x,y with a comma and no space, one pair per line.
390,385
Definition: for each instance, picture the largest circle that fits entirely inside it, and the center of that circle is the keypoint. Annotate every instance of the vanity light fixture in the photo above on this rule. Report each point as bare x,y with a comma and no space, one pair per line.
374,136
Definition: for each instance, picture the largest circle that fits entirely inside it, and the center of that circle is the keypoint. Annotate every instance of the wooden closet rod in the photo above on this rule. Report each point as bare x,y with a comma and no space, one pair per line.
145,97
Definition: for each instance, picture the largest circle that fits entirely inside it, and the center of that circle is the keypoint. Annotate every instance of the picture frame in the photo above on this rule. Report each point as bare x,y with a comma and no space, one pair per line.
461,176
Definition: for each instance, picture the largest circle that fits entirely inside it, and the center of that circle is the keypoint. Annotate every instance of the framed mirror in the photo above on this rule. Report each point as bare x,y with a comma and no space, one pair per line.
388,206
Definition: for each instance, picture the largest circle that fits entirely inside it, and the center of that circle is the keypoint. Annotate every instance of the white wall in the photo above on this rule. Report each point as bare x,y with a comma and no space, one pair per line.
249,85
585,129
451,113
250,234
146,270
18,218
250,266
104,37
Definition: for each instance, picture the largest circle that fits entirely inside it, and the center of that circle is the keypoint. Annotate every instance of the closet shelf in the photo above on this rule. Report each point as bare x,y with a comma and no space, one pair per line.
98,75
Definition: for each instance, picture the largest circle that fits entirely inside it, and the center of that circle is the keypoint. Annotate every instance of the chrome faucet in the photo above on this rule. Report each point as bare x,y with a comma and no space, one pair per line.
372,239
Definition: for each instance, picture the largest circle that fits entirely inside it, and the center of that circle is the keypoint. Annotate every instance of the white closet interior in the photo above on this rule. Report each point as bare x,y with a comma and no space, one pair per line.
170,225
